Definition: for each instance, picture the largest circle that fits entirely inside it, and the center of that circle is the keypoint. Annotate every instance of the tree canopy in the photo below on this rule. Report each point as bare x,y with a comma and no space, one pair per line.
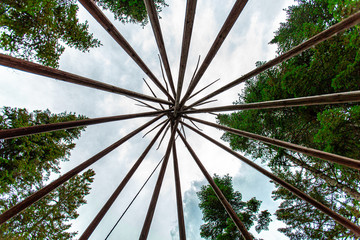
37,30
130,11
330,67
26,164
218,225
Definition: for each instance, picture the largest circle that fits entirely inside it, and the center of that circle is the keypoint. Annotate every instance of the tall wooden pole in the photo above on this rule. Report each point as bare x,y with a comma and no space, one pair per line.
338,218
154,20
224,31
188,27
179,204
218,193
38,69
24,131
326,34
333,98
90,229
50,187
115,34
349,162
155,196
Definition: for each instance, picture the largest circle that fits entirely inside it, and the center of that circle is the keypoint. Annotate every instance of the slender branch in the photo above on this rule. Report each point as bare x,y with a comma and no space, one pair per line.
203,89
95,222
334,98
326,34
162,107
53,185
24,131
154,128
338,218
151,10
115,34
224,31
349,162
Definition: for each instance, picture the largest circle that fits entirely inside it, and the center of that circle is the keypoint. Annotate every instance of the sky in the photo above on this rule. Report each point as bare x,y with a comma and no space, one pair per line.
246,44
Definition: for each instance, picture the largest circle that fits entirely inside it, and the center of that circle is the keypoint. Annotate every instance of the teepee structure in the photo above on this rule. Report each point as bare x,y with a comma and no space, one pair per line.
176,107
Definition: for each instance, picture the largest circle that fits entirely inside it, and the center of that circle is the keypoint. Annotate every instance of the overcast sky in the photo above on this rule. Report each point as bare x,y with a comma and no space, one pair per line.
246,44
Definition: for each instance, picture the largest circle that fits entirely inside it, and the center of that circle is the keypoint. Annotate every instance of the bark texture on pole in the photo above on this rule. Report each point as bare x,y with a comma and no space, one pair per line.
188,27
100,17
349,162
338,218
38,69
218,193
24,131
90,229
179,204
154,20
326,34
155,196
56,183
333,98
224,31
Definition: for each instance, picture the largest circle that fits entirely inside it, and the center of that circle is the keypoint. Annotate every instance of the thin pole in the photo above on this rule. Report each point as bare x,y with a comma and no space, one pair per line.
188,27
50,187
38,69
137,194
326,34
24,131
349,162
338,218
203,89
180,210
218,193
90,229
333,98
155,196
96,12
155,24
224,31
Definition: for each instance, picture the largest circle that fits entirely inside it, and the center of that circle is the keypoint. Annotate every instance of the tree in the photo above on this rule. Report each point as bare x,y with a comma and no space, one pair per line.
50,217
26,164
218,225
132,11
330,67
37,30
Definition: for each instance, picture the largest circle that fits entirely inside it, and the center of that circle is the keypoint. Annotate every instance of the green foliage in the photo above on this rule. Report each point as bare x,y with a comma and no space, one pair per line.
26,164
37,30
218,225
29,160
50,217
330,67
130,11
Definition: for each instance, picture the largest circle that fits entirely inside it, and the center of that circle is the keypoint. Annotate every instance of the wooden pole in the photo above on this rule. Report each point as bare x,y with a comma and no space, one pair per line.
179,205
338,218
155,196
24,131
38,69
218,193
91,7
53,185
90,229
155,24
333,98
188,27
326,34
224,31
349,162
